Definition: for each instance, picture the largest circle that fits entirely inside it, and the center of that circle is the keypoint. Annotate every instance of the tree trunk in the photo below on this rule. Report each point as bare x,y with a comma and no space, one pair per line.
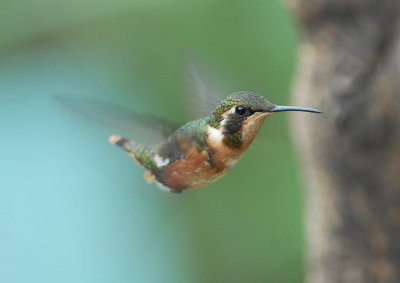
349,67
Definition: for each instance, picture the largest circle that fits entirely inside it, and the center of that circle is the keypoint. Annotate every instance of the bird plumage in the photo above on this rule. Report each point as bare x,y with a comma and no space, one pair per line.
205,149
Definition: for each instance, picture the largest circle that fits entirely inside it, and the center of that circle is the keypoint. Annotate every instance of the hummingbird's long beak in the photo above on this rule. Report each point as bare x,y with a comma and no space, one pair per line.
279,108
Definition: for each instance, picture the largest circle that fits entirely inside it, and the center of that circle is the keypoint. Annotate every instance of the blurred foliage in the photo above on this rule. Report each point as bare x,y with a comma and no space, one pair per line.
75,209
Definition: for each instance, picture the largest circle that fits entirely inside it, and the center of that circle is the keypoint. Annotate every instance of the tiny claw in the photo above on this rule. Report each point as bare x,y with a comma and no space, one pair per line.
149,177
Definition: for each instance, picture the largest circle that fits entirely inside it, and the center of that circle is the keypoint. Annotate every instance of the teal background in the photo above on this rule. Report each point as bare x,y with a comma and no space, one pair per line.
73,208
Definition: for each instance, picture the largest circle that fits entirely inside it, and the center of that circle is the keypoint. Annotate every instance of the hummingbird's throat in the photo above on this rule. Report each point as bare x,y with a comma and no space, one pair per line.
240,133
252,125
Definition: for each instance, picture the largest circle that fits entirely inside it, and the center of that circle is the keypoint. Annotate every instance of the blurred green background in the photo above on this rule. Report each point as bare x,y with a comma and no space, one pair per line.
73,208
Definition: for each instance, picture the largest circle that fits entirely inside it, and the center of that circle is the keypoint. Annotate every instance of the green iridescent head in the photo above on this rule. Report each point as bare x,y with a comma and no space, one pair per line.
231,114
246,102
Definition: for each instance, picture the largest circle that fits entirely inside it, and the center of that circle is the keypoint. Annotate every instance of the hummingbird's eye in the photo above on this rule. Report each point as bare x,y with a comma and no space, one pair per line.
240,110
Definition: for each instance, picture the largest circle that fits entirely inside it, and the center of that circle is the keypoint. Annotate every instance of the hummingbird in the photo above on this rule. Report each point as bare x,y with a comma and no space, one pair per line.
203,150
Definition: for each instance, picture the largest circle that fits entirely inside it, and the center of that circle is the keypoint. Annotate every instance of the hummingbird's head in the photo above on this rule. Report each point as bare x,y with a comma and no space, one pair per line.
240,116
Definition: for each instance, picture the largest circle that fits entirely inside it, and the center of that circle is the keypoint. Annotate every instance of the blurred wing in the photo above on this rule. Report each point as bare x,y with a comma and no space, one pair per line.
124,121
203,92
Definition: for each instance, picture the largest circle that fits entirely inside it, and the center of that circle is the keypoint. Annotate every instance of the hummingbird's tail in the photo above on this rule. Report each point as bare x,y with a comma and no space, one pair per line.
120,141
142,153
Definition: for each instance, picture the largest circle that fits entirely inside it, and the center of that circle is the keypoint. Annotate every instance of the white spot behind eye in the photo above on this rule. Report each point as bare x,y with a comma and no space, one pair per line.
232,110
215,134
160,161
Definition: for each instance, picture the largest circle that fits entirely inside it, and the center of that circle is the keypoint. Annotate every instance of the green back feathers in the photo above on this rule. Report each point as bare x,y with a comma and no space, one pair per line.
197,130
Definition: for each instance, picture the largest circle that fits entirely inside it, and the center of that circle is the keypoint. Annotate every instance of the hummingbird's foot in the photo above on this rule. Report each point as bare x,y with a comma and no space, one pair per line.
149,177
